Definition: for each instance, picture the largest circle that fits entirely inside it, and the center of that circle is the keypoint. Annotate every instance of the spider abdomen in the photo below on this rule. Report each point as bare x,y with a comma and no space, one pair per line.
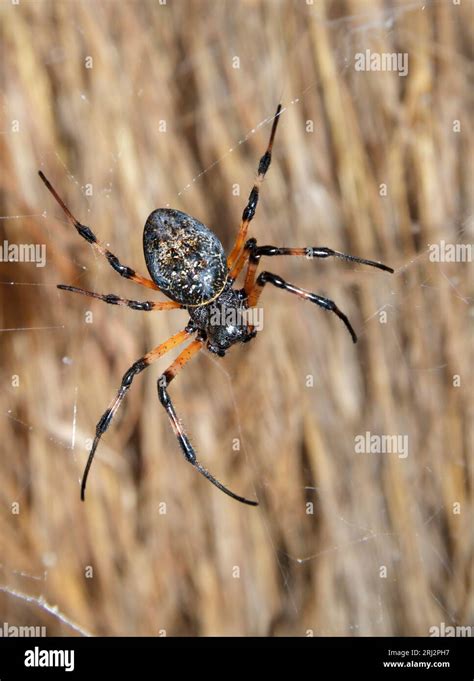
184,258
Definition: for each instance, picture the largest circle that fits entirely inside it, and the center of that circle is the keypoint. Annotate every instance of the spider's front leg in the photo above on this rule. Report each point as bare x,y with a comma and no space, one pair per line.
183,440
136,368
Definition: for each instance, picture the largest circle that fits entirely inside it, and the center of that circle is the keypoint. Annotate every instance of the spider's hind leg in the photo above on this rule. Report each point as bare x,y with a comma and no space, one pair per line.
91,238
251,207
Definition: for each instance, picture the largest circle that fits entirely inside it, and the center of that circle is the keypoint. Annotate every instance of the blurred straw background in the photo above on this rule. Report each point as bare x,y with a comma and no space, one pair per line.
124,105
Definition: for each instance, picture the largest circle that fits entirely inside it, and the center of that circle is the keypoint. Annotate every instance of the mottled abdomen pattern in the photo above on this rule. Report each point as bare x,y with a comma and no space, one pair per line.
184,258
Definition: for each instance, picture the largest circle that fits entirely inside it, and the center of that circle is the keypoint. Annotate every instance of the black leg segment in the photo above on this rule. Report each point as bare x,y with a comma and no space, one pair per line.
275,280
183,440
315,252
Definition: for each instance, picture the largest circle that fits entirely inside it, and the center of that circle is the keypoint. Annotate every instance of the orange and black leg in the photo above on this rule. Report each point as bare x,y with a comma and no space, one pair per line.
275,280
136,368
112,299
91,238
250,208
315,252
253,289
252,253
183,440
244,256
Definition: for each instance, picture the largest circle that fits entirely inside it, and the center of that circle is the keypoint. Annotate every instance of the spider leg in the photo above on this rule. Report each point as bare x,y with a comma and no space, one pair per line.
183,440
91,238
112,299
315,252
253,253
136,368
275,280
250,208
242,259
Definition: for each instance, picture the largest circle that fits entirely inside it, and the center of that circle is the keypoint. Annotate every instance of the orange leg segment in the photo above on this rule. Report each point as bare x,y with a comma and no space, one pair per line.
250,208
127,379
183,440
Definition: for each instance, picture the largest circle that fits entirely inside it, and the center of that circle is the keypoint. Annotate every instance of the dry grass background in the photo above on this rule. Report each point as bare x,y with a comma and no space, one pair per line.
101,126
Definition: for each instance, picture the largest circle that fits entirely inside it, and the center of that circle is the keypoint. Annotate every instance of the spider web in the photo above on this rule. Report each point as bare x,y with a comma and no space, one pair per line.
353,535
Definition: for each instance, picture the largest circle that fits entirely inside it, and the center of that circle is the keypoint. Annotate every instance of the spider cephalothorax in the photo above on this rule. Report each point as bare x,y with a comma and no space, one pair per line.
187,263
223,322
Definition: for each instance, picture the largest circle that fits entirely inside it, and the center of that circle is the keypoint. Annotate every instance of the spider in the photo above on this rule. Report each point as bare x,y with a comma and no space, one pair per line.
186,261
